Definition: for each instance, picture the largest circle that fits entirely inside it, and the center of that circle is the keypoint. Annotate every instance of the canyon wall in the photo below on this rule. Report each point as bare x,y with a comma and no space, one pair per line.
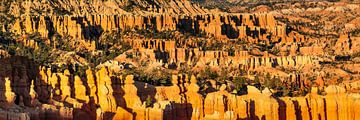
220,25
168,52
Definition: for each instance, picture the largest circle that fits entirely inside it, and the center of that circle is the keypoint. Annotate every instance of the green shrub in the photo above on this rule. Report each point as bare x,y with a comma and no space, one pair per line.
239,83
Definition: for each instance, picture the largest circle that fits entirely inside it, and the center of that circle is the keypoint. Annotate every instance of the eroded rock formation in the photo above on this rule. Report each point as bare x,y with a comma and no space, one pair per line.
181,101
193,40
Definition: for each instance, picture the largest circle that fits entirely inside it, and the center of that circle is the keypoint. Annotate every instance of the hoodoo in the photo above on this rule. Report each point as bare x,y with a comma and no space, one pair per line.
179,60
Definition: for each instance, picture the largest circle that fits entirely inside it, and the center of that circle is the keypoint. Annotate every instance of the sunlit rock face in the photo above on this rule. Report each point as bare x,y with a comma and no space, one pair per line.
219,25
265,60
119,98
